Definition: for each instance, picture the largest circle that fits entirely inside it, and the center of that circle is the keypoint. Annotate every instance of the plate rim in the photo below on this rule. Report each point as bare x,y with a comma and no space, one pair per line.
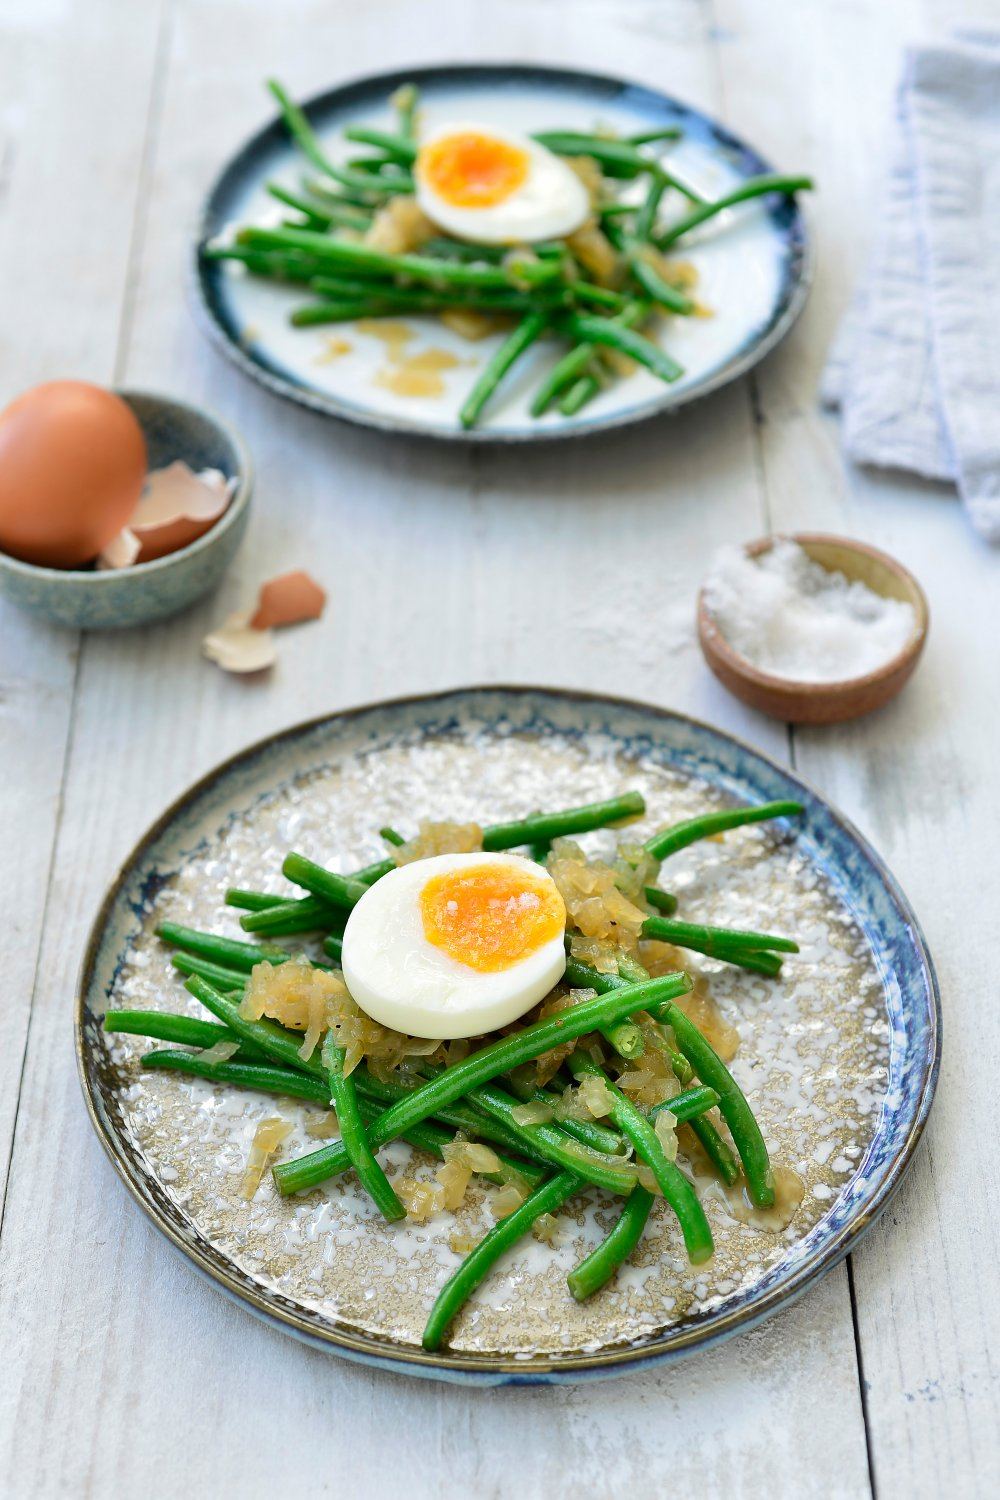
329,405
477,1370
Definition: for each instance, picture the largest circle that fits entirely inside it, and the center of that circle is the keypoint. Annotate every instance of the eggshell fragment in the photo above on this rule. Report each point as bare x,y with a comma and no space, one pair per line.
121,552
237,647
288,600
176,507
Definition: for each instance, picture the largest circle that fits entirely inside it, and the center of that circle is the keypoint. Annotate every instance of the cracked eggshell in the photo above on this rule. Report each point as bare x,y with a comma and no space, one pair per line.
236,647
288,599
178,506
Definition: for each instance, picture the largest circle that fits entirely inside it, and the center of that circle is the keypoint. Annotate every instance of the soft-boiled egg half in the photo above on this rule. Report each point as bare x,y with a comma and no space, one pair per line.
496,187
455,945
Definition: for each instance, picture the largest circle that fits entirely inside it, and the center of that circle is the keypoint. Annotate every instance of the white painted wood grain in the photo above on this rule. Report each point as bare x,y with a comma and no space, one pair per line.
71,128
919,777
120,1369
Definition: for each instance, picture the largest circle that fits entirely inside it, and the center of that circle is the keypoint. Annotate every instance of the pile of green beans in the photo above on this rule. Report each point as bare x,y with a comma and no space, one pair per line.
477,1098
545,287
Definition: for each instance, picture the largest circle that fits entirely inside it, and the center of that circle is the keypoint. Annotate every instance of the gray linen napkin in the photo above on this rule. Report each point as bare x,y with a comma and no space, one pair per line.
915,368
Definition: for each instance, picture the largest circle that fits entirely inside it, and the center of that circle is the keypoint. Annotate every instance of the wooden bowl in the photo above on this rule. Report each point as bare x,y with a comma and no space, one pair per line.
823,702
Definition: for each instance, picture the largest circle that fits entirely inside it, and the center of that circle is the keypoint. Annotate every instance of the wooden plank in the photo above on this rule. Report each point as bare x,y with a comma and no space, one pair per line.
445,566
919,777
71,131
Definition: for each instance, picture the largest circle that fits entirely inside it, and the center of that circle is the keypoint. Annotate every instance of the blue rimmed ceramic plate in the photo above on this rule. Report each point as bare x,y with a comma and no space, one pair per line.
753,262
839,1056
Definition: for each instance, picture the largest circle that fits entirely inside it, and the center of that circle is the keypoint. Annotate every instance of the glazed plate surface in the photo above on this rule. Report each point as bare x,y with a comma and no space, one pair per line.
752,261
839,1057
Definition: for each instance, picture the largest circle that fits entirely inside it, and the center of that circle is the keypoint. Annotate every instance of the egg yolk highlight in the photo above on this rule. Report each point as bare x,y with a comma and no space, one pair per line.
472,170
489,918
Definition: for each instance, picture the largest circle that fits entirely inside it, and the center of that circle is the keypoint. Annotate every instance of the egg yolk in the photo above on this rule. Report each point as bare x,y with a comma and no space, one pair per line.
489,918
472,170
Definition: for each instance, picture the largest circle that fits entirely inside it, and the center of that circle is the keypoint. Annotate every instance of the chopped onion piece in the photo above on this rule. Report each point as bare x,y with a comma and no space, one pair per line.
266,1139
219,1052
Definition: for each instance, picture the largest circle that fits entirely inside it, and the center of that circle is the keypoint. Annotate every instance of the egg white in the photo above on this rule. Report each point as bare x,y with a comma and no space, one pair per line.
402,980
550,203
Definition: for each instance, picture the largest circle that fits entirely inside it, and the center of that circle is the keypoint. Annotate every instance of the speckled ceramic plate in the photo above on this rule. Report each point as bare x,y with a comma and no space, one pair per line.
839,1057
753,262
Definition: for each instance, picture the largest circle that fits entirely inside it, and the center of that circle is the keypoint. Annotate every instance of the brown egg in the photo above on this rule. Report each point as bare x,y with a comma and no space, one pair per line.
72,466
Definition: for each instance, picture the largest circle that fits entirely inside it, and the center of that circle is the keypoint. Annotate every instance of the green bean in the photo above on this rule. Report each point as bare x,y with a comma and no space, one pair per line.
428,1136
421,268
247,900
306,915
714,1145
218,974
680,835
753,187
596,1269
308,142
343,288
598,1137
333,944
313,314
656,287
229,952
687,1106
546,1199
461,1115
735,1110
718,1151
662,900
276,1042
645,219
551,1143
457,250
300,129
671,1181
575,363
186,1031
663,133
392,837
397,146
346,210
565,824
496,837
626,1038
317,218
668,930
537,827
336,890
479,1067
405,100
625,340
343,1096
608,153
292,266
527,331
598,296
616,1247
578,394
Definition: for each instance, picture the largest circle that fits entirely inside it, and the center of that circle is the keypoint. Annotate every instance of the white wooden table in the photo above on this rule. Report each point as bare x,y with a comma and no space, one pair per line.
120,1371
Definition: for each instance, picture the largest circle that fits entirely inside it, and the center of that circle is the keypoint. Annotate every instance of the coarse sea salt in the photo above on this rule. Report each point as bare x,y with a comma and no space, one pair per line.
789,616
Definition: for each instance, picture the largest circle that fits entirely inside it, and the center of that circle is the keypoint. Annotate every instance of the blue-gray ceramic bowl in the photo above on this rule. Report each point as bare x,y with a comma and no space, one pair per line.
86,599
855,1016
